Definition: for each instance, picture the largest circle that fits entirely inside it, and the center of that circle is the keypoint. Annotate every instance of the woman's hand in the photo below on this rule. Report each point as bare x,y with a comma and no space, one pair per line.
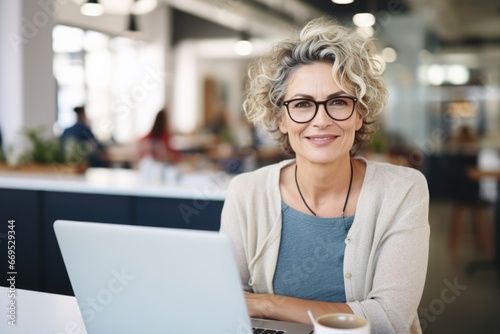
259,305
270,306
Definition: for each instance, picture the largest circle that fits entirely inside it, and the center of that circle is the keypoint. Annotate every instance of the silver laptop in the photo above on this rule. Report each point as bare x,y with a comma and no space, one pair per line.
136,279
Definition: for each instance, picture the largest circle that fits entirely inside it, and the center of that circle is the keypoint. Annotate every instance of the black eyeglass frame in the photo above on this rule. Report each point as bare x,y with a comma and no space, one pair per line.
318,103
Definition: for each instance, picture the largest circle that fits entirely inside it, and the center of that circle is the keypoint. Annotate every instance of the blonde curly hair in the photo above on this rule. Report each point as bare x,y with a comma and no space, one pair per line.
356,69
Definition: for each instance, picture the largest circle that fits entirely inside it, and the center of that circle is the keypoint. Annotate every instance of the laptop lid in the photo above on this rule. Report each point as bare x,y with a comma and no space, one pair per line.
137,279
131,279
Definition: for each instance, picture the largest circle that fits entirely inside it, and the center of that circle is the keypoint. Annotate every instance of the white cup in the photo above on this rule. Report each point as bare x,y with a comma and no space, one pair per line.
170,174
341,323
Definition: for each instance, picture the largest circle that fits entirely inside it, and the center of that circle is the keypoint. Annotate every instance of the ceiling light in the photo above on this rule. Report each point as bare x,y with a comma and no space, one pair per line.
389,54
141,7
363,19
92,8
457,74
133,30
366,32
243,47
342,2
435,75
114,7
132,24
125,7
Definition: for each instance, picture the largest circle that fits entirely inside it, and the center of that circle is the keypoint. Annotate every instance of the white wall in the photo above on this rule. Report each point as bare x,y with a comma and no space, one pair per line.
194,61
11,101
229,73
185,110
27,87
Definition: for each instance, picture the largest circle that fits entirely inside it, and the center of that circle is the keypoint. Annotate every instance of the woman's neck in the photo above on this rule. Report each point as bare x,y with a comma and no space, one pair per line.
318,180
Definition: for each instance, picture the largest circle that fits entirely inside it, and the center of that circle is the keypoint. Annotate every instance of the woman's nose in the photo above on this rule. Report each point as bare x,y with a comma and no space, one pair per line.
322,118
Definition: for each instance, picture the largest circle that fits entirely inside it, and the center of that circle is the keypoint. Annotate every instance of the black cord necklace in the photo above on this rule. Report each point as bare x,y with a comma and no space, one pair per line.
303,199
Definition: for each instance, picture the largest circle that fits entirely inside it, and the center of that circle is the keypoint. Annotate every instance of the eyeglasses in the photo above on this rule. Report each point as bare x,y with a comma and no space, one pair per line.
304,110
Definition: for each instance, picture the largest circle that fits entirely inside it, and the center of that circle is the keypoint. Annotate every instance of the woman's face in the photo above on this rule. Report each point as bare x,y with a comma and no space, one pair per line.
323,139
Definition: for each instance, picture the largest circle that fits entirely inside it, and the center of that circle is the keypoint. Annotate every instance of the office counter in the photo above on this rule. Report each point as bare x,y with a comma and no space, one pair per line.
35,201
210,185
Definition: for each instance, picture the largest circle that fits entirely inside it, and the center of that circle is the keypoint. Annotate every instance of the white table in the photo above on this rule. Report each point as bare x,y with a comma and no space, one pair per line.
41,313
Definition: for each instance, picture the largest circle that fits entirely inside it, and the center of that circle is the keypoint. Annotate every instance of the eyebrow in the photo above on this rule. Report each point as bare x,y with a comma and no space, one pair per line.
307,96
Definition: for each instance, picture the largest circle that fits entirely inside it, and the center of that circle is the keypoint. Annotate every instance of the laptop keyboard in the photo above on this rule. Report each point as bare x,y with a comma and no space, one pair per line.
266,331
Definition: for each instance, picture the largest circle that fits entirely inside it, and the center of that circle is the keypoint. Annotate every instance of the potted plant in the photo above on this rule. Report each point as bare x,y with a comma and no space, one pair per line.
42,154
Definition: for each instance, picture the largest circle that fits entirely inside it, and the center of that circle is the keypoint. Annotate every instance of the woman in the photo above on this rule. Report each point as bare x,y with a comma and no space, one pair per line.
156,143
326,230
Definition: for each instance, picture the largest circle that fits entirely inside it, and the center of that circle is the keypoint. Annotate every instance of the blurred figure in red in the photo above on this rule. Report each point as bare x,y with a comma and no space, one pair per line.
156,143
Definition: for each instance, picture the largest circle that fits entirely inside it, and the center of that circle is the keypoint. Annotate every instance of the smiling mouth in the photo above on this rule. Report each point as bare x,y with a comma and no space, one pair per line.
322,138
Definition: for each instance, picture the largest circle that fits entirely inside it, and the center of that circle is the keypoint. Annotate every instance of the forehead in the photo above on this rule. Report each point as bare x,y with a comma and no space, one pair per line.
312,78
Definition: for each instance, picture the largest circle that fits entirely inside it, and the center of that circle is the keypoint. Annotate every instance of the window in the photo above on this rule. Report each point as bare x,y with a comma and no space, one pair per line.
118,79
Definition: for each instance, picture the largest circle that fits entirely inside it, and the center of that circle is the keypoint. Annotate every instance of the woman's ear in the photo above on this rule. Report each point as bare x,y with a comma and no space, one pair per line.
282,124
359,120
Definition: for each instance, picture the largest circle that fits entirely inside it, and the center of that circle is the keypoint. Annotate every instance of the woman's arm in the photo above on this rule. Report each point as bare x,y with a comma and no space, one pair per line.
231,225
270,306
390,293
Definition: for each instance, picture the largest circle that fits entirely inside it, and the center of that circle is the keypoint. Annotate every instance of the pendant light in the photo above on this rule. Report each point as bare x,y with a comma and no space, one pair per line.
243,46
92,8
132,24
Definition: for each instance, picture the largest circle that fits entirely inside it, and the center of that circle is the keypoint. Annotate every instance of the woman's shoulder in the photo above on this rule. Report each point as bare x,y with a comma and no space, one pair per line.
260,177
388,173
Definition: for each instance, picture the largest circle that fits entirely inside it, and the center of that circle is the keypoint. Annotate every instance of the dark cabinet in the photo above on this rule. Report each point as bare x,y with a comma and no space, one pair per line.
196,214
74,206
39,262
22,206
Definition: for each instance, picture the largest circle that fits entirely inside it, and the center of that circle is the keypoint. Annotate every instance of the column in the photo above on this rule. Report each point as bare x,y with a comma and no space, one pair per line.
27,84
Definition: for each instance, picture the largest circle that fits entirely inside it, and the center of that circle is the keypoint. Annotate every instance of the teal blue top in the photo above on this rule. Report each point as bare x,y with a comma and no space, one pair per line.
311,256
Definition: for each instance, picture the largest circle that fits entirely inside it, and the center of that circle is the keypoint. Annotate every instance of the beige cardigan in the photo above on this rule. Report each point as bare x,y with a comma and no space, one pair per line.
386,253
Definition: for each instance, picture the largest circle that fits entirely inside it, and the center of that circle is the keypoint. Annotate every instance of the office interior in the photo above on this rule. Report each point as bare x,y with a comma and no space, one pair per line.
190,58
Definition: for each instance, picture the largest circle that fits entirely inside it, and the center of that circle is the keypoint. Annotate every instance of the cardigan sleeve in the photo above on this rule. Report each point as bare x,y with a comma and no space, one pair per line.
398,259
251,217
232,225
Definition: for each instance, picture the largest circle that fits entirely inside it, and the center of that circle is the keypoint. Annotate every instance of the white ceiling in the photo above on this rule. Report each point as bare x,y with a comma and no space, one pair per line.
469,29
454,21
266,18
461,20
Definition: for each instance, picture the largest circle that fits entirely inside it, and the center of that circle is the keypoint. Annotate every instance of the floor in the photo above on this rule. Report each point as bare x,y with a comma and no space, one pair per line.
455,301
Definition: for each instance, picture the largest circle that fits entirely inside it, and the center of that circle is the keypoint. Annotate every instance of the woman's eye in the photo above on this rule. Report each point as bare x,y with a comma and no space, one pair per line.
302,104
338,102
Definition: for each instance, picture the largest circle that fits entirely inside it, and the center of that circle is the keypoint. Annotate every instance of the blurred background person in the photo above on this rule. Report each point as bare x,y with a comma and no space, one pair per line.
157,142
465,141
465,194
219,126
79,143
